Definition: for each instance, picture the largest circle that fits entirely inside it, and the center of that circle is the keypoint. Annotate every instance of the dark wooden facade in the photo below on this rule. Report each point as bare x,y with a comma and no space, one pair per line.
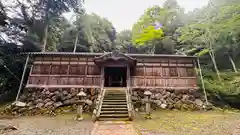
86,70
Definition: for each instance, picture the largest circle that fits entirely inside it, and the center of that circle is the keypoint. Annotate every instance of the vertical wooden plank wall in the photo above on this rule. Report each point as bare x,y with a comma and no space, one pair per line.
64,72
165,73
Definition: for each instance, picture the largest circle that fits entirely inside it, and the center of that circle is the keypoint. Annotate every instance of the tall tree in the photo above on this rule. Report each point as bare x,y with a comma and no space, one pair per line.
39,14
168,18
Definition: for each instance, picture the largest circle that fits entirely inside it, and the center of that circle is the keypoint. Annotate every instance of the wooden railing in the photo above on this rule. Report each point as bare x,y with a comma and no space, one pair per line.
98,107
129,103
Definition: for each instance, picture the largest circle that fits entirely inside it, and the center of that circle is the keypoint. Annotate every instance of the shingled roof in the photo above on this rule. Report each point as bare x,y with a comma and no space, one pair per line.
100,54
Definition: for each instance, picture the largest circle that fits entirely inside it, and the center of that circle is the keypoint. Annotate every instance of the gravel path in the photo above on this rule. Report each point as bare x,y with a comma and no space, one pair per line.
60,125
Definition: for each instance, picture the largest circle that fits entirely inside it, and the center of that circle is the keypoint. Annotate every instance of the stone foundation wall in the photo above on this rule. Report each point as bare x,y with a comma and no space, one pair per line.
169,99
40,101
53,101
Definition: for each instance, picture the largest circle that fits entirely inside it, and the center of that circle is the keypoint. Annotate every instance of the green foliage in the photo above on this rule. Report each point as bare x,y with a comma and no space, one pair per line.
149,34
223,93
162,39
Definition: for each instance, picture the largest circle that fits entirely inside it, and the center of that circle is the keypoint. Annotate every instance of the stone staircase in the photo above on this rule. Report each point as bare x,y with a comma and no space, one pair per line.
114,106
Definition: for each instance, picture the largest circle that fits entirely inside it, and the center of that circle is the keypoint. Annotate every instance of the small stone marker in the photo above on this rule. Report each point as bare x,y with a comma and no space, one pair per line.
148,107
81,95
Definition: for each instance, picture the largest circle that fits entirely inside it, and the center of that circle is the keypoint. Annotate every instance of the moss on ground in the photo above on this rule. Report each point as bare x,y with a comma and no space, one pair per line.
189,123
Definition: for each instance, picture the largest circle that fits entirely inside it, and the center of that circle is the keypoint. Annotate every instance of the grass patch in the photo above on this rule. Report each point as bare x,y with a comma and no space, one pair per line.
186,122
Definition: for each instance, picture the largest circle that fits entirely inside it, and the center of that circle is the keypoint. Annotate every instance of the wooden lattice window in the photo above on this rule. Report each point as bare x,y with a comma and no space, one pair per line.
77,70
36,69
165,71
173,72
157,71
59,69
45,69
149,71
139,71
40,69
94,70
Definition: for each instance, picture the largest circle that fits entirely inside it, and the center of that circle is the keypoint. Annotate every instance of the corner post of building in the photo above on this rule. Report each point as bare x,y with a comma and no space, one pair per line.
22,79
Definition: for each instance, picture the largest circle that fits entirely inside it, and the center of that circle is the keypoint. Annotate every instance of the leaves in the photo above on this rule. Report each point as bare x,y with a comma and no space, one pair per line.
149,34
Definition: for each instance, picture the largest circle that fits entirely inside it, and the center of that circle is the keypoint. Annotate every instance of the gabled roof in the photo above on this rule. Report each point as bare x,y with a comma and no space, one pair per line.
115,56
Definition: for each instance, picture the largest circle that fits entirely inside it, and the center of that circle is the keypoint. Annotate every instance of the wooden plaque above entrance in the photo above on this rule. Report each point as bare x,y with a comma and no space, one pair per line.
115,58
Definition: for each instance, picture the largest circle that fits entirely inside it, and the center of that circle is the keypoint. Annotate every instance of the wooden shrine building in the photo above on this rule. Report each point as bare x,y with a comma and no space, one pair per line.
113,69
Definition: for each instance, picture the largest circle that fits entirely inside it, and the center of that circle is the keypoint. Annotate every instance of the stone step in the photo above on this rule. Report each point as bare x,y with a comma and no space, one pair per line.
114,106
114,91
114,112
115,100
115,109
113,115
115,94
113,119
114,103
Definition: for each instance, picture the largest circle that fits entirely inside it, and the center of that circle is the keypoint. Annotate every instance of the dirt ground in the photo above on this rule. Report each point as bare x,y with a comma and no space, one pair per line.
189,123
42,125
162,123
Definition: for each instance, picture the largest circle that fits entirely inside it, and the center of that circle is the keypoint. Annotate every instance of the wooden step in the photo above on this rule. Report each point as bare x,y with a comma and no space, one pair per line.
114,112
114,116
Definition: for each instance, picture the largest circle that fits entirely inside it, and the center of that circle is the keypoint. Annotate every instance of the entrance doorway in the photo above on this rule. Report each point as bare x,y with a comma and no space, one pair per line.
115,76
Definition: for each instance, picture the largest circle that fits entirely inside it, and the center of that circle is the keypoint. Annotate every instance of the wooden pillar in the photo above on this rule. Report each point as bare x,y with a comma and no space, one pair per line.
85,79
49,72
128,77
23,75
102,79
144,79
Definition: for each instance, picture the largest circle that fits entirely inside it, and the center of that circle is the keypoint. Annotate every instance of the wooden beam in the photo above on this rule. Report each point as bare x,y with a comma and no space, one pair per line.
165,87
40,75
61,86
23,75
164,77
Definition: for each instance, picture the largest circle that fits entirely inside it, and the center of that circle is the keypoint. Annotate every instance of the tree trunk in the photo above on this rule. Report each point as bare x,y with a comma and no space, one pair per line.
233,64
211,53
45,36
202,81
215,64
75,43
